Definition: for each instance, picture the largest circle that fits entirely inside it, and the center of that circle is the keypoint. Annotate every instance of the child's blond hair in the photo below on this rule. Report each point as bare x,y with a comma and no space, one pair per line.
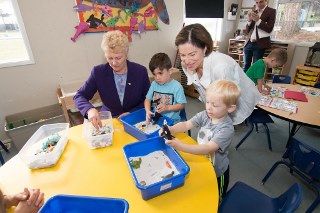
279,54
227,90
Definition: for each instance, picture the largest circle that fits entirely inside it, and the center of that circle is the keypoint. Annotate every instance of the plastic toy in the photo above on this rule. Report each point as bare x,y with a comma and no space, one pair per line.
166,134
81,28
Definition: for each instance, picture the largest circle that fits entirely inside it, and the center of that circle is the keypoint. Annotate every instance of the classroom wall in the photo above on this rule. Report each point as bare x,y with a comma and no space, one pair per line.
50,25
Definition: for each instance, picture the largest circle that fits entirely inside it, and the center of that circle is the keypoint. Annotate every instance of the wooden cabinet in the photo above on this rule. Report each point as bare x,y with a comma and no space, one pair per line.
235,50
307,76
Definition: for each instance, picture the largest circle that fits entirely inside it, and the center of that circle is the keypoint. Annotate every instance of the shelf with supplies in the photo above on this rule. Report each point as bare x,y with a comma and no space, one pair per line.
235,50
307,76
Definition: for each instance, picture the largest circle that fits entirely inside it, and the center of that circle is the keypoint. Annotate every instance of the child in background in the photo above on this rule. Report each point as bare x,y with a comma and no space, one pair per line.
165,95
276,58
216,129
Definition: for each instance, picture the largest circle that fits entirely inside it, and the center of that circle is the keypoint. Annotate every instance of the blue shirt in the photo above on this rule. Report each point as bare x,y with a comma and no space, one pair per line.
170,93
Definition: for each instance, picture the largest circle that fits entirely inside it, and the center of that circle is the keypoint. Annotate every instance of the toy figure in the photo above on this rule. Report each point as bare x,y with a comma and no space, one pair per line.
81,28
166,134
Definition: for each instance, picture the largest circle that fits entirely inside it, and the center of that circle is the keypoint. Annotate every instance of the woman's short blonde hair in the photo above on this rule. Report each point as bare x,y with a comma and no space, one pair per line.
227,90
113,40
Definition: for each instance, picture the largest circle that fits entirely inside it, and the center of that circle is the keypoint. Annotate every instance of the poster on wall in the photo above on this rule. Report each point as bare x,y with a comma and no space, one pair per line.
243,18
129,16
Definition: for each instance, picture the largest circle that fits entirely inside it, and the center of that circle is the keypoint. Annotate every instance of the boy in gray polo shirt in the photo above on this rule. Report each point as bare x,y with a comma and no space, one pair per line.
216,129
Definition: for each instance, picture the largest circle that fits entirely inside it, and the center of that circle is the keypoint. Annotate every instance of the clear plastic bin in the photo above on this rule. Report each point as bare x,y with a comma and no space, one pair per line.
34,154
101,138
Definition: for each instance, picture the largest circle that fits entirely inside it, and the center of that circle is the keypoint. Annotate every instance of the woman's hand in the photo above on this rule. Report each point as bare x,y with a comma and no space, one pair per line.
32,204
94,118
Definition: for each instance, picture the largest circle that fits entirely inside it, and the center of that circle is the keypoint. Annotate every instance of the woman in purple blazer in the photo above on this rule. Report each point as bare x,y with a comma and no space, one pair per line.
122,84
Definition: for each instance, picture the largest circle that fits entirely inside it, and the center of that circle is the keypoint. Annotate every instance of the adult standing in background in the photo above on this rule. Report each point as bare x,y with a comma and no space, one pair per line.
122,85
202,67
259,27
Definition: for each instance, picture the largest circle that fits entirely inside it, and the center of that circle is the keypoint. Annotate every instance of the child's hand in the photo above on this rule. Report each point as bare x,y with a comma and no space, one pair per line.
174,143
148,116
162,108
32,204
13,200
268,88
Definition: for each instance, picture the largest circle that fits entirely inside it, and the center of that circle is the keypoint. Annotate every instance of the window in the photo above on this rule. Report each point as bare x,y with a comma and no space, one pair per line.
297,20
213,25
14,44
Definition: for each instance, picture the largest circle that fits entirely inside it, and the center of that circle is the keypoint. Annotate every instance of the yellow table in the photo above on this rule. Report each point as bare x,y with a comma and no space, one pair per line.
104,172
308,113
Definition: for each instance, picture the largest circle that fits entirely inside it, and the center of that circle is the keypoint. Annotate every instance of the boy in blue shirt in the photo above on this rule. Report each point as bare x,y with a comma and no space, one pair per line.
166,95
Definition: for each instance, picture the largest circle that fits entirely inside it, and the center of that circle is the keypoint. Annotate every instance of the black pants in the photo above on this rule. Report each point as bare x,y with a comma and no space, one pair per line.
223,182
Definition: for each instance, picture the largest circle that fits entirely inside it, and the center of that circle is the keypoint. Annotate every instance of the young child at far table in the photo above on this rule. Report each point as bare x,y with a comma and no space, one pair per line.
165,94
276,58
216,129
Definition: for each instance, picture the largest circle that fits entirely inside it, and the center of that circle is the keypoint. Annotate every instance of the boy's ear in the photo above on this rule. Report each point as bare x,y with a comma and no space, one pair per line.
232,108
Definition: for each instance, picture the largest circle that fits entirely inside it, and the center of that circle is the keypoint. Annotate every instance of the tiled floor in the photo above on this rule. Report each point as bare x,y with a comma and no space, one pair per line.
253,159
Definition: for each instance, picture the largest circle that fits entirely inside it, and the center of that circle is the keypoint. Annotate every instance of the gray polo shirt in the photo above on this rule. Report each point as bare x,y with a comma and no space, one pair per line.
220,133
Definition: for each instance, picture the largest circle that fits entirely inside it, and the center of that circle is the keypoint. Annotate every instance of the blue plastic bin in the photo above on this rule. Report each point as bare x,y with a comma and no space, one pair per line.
138,116
84,204
145,147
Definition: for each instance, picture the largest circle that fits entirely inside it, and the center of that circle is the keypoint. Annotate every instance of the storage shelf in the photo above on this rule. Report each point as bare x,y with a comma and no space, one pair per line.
306,76
239,57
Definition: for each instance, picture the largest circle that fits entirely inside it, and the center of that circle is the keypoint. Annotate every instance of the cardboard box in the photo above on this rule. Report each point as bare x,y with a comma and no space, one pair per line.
21,126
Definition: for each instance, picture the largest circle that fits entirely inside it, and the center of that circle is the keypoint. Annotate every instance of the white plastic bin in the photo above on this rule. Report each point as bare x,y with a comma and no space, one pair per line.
33,153
104,136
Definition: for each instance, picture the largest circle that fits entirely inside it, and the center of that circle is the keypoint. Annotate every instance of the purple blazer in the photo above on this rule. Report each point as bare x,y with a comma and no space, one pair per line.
101,79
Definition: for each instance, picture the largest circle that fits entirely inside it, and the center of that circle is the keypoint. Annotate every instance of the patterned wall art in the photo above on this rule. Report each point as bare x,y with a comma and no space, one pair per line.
129,16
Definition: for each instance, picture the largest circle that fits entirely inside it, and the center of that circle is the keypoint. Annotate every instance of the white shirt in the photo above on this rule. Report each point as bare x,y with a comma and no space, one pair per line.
261,33
220,66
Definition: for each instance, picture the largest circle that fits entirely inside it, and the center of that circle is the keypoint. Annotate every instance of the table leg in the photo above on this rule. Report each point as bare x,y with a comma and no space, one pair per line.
291,134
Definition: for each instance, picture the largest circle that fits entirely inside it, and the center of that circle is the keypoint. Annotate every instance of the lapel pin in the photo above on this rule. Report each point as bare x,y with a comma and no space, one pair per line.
129,83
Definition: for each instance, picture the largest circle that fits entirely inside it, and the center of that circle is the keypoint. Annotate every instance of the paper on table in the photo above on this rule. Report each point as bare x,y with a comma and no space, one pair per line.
154,167
300,96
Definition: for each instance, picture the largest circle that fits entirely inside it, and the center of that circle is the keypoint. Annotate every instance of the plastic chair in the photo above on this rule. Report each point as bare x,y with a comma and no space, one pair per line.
243,198
305,162
258,116
183,116
281,79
